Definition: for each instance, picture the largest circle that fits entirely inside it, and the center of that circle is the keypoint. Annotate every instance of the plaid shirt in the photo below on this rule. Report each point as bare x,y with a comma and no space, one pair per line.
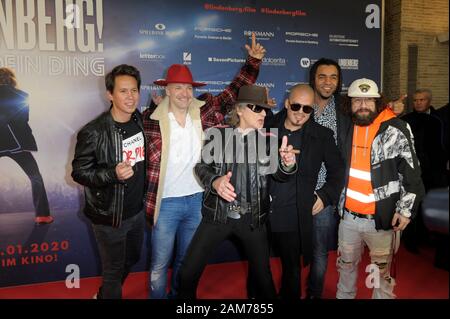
211,114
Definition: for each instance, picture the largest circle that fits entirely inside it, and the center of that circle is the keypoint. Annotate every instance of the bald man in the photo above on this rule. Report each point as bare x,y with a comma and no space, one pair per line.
296,205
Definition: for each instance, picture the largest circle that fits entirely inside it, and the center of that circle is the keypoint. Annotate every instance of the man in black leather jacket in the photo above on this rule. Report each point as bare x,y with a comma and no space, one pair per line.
110,162
236,200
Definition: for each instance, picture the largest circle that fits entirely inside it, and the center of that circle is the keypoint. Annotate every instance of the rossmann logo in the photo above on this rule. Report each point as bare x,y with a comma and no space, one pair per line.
266,35
208,29
268,85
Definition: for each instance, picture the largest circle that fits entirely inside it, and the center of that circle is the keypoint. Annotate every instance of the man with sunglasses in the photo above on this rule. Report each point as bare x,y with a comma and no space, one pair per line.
292,202
236,173
383,189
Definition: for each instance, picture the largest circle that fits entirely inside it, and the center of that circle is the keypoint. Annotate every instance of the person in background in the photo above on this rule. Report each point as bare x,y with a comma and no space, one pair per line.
427,128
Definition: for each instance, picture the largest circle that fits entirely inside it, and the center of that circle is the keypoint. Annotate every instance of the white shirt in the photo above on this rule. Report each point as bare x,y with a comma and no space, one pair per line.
184,153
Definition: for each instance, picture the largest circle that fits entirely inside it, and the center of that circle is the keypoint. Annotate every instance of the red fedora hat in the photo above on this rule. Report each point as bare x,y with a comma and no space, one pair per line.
178,73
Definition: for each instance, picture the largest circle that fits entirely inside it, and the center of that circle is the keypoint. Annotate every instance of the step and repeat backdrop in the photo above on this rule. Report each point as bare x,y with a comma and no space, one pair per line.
60,51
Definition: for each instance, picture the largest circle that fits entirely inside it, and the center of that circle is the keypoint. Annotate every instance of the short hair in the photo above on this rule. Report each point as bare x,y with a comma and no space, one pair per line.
8,77
325,61
301,87
122,69
427,91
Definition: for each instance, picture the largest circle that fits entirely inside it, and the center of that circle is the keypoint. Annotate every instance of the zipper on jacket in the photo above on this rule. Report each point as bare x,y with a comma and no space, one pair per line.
118,188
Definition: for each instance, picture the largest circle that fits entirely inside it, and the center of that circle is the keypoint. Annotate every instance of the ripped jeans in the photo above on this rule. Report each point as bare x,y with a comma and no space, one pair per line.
353,232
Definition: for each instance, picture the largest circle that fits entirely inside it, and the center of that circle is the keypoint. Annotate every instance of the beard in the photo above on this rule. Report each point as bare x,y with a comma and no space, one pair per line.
364,120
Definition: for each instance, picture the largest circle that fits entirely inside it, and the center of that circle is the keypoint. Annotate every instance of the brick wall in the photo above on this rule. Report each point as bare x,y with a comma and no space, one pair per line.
416,22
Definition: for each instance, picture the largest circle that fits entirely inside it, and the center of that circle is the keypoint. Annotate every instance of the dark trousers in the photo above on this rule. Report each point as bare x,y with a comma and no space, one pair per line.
288,247
27,162
119,250
325,225
208,236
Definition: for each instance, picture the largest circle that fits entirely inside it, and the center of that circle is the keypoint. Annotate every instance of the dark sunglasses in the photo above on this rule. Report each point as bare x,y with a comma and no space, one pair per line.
255,108
306,108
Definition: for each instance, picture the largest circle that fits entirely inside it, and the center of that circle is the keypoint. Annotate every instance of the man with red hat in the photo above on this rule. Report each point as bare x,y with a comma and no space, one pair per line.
174,132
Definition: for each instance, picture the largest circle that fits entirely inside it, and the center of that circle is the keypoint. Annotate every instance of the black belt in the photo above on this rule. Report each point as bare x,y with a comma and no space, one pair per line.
365,216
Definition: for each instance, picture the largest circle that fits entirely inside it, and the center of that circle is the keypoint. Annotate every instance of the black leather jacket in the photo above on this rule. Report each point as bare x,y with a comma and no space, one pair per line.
98,151
215,208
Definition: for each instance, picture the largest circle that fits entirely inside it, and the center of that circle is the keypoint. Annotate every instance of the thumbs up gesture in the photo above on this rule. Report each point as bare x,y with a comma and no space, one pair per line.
287,153
223,187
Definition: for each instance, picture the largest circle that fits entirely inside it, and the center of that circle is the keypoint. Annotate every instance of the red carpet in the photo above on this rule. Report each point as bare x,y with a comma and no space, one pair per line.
416,279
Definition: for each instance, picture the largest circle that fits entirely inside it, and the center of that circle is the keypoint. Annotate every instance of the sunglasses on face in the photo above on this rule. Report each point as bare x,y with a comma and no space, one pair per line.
255,108
297,107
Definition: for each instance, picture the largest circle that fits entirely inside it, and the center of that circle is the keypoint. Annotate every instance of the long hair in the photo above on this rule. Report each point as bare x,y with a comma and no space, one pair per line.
233,118
7,77
380,104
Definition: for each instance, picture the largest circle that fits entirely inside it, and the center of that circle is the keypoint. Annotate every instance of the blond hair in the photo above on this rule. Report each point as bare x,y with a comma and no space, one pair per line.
233,116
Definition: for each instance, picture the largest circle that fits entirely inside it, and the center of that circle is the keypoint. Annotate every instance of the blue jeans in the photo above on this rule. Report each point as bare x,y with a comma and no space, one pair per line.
324,224
178,220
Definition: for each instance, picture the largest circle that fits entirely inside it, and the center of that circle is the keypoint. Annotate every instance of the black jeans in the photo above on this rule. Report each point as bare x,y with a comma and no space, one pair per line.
120,249
208,236
27,162
288,247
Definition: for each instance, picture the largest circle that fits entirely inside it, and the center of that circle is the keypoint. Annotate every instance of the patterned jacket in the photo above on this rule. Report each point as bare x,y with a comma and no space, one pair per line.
395,173
206,111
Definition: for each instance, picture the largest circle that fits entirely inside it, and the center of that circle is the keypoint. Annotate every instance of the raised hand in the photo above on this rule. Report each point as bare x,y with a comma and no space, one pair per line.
287,153
124,170
256,51
398,106
156,98
224,188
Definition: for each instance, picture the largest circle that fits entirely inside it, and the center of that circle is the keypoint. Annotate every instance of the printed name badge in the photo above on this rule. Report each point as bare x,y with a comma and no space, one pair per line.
133,148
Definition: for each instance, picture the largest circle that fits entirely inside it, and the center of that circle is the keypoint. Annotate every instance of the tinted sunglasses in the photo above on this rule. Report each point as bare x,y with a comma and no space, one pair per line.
255,108
306,108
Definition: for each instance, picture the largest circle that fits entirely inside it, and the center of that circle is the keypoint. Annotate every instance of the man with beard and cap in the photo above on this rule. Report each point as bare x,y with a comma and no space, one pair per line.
382,190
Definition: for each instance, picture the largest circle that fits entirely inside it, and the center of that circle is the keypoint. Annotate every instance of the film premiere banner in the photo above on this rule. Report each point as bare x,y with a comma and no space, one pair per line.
60,51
